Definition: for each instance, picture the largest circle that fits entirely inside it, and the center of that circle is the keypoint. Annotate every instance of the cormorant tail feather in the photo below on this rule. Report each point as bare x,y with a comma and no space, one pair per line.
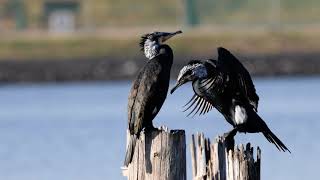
130,149
272,138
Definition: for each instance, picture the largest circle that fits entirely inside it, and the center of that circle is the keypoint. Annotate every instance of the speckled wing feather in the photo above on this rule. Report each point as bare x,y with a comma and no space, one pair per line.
236,70
132,98
140,104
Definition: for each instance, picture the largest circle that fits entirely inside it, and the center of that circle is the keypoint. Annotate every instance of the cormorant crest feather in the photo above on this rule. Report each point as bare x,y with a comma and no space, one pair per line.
149,44
142,41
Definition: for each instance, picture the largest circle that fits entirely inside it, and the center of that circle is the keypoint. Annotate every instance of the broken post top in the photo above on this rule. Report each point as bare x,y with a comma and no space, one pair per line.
223,160
159,154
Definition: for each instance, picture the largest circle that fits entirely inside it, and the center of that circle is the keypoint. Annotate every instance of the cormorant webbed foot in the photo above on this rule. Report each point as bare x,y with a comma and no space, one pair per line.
229,138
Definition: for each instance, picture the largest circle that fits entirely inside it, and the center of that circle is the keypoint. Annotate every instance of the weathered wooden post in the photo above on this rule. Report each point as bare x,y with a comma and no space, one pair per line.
222,160
159,155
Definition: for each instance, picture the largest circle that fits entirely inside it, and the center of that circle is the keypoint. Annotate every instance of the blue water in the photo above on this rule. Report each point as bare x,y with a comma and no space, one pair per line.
77,131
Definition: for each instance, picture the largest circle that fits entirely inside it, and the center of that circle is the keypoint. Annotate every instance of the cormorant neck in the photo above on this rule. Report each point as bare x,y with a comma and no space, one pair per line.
196,86
166,55
165,49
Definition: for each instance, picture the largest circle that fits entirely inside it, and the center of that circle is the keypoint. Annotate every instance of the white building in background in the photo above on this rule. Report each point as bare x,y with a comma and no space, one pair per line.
61,21
61,15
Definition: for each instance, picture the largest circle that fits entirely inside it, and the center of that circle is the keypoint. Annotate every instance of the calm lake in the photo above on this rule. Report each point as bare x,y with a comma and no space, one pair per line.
77,130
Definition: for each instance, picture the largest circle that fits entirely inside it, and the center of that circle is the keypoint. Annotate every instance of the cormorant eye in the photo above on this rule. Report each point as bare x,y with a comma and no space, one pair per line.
189,72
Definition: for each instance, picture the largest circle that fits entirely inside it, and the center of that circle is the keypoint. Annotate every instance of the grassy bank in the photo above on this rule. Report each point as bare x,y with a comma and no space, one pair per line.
113,56
193,43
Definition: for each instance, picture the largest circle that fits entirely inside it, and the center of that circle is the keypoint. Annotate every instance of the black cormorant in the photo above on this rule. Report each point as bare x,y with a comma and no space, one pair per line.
149,89
226,85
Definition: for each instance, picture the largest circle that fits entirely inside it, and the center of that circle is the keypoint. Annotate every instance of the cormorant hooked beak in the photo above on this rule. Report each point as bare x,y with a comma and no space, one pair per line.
178,84
165,36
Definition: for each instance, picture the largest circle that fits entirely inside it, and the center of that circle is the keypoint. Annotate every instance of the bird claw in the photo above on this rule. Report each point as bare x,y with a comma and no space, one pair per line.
229,139
226,135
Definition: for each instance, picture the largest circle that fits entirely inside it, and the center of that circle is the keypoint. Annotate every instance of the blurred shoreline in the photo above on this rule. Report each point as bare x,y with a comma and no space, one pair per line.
115,68
107,55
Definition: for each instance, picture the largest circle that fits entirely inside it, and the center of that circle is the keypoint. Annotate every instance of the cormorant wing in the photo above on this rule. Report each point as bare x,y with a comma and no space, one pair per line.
132,99
235,69
141,102
199,103
213,85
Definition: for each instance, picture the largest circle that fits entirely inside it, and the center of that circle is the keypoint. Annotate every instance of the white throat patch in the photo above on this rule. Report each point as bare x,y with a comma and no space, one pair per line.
150,49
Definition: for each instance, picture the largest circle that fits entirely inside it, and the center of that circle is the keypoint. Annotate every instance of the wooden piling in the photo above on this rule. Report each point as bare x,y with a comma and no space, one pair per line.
159,155
222,160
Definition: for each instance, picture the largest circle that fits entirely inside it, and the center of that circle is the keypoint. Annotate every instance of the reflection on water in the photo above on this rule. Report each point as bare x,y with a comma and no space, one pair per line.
77,131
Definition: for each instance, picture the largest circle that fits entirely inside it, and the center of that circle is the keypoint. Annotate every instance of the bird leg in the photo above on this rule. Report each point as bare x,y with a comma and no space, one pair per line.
229,138
149,127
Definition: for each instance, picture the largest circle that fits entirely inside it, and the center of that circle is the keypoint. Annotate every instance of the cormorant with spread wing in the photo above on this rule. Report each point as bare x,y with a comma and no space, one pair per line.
149,89
226,85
